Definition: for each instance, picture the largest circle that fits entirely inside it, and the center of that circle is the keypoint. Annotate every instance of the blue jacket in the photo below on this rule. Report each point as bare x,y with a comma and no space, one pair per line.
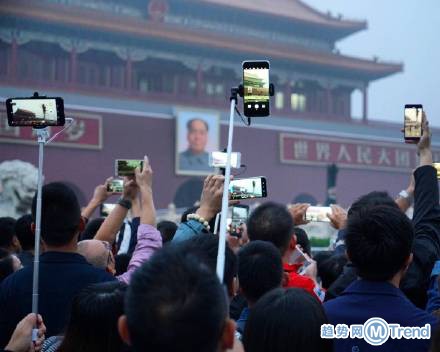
363,300
62,276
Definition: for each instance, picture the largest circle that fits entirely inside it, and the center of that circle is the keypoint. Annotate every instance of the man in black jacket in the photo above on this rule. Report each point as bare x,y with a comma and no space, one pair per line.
63,272
426,222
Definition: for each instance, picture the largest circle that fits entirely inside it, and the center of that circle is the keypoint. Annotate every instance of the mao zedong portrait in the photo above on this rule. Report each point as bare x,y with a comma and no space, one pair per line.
195,157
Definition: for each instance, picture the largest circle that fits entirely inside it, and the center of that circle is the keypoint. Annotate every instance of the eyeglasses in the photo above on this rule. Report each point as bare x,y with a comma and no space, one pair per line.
109,248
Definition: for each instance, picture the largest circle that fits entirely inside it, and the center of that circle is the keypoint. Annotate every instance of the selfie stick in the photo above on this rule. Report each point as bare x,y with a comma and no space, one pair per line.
42,134
225,200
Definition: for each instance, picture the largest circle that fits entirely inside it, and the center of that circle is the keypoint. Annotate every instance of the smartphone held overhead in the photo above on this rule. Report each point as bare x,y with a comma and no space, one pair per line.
256,86
413,122
126,167
248,188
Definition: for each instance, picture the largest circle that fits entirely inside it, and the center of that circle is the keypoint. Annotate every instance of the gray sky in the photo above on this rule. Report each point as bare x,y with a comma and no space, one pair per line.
404,31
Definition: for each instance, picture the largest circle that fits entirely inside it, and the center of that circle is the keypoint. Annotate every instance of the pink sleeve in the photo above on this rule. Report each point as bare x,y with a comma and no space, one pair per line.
149,241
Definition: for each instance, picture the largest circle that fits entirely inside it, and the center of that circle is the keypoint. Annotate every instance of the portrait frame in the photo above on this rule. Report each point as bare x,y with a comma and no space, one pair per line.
182,116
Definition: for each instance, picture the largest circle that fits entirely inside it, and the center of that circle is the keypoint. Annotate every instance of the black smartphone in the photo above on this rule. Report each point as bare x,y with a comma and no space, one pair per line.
247,188
126,167
256,98
317,214
437,166
413,122
35,112
106,209
115,186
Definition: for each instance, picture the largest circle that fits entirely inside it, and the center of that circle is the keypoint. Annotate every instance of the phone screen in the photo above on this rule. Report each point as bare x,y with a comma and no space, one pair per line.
413,122
126,167
437,166
318,214
256,88
240,214
218,159
115,186
247,188
35,112
107,208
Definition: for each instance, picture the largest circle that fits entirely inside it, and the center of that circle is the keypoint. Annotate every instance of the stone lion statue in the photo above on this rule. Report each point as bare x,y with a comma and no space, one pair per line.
18,184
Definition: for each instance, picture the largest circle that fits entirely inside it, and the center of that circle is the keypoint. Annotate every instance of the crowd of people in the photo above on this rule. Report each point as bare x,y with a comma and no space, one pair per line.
111,285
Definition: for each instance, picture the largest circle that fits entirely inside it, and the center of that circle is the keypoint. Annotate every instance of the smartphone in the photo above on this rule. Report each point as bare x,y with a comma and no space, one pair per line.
116,186
437,166
413,122
107,208
35,112
218,159
246,188
256,98
317,214
126,167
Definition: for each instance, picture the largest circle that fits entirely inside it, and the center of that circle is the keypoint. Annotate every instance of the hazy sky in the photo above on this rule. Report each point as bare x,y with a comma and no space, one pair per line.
404,31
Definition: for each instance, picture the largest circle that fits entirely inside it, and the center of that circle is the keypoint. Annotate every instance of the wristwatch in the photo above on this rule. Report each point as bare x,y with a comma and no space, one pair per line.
126,203
405,195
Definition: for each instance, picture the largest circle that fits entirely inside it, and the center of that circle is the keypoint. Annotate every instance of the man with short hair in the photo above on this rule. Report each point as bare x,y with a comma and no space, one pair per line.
23,231
175,302
8,239
379,243
196,158
260,269
63,272
273,223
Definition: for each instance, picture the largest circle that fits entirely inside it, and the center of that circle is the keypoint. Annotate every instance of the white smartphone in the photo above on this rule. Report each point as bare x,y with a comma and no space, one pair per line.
218,159
317,214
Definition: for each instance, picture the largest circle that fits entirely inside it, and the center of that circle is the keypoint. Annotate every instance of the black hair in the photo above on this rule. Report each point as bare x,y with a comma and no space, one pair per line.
7,232
379,241
206,247
175,302
372,199
6,264
60,215
303,240
260,269
286,320
273,223
329,268
121,263
93,323
91,229
192,210
190,122
23,231
167,230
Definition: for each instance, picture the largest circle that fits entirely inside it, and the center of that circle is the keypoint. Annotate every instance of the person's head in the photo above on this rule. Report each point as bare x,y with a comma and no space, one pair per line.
286,320
271,222
260,269
206,247
8,239
175,302
379,241
9,263
91,229
93,323
167,230
329,268
98,253
61,219
303,240
372,199
197,135
23,231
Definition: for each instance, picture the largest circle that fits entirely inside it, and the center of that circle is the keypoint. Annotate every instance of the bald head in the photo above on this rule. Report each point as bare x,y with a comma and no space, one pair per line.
95,252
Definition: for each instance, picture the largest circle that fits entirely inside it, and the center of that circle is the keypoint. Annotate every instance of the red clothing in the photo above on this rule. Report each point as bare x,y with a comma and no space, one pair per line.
296,280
